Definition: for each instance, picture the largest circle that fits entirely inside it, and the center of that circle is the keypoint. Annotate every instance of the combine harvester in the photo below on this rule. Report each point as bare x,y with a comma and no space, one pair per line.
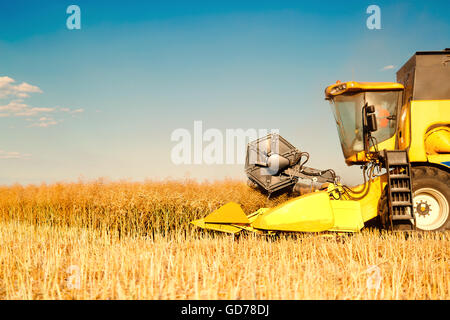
401,129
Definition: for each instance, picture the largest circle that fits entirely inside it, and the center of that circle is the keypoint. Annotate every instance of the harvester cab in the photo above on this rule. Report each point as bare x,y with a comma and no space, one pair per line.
398,132
366,117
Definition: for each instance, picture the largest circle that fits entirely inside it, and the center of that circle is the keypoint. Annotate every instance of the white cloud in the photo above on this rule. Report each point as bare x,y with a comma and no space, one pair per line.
70,110
17,107
78,111
9,90
389,67
13,155
44,122
14,106
4,81
33,111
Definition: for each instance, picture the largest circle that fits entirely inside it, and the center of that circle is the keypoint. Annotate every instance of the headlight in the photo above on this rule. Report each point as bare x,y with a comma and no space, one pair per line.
339,88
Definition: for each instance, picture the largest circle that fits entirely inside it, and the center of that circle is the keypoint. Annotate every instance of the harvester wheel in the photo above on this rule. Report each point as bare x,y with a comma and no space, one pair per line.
431,198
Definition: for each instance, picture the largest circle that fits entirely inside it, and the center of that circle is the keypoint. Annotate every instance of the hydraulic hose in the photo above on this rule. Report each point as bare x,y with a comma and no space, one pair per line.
366,187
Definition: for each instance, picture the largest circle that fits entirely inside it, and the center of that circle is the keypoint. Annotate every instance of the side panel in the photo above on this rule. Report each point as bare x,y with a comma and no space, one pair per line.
360,157
404,127
425,115
347,216
315,212
426,76
432,77
441,159
308,213
369,204
437,141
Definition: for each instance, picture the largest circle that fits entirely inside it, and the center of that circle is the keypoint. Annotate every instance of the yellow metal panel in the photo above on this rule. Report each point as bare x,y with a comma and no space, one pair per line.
308,213
369,204
252,217
442,159
437,141
425,114
216,226
404,127
347,216
228,213
353,86
360,157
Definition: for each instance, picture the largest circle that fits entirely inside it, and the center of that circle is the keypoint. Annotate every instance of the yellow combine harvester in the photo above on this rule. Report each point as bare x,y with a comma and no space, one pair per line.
399,133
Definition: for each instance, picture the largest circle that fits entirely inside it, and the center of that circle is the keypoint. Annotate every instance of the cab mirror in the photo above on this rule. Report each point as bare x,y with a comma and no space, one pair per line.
370,109
370,118
372,122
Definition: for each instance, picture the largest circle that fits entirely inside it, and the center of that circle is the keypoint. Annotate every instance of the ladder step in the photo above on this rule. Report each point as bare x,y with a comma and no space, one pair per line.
399,176
401,203
397,158
398,171
400,189
402,217
404,226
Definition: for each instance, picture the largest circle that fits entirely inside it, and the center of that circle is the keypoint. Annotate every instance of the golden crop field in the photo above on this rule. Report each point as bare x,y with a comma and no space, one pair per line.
123,240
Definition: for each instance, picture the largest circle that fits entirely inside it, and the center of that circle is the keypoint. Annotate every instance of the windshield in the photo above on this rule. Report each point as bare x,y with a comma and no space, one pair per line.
348,114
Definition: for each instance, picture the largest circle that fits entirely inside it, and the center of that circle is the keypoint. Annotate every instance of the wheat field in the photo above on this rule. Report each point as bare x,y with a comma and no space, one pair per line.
123,240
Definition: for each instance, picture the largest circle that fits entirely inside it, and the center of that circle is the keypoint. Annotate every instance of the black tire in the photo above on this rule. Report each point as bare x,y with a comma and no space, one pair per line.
431,183
383,211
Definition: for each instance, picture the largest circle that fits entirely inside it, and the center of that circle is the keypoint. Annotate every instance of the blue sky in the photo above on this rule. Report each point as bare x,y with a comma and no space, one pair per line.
103,101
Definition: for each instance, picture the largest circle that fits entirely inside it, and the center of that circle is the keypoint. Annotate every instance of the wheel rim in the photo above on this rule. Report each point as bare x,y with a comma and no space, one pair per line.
431,209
